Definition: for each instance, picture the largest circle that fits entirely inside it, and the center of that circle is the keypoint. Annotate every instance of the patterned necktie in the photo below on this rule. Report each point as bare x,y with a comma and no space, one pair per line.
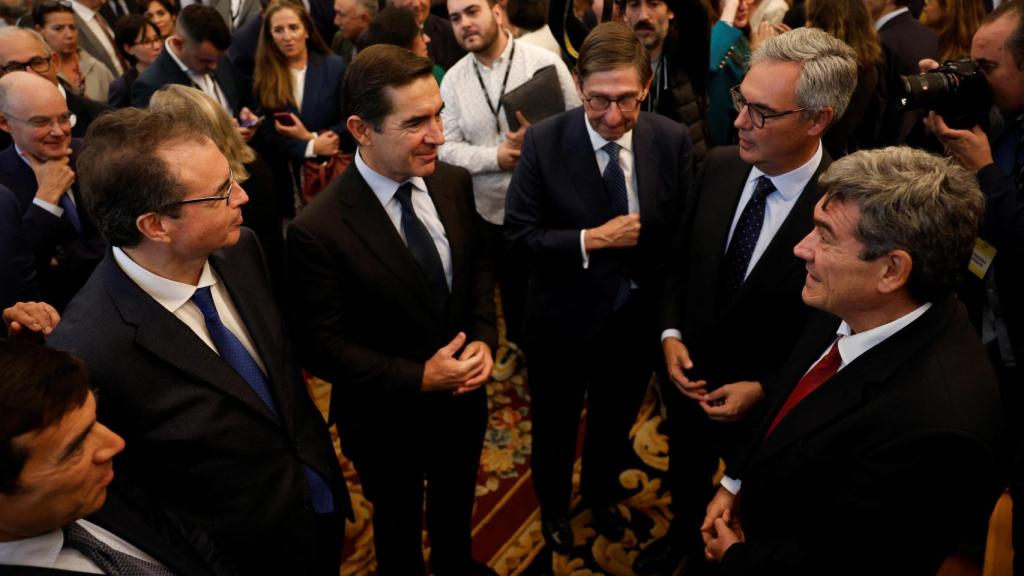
744,237
422,247
815,377
70,210
106,558
110,36
235,354
615,180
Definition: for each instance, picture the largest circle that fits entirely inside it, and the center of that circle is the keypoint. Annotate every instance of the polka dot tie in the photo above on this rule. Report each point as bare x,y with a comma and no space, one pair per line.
615,180
744,238
106,558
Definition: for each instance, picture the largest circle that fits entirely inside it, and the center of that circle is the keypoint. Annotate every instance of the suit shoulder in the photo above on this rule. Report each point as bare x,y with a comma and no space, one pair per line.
452,172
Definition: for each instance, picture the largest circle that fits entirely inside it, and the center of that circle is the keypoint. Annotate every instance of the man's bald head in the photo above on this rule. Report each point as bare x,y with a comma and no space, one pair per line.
21,45
35,114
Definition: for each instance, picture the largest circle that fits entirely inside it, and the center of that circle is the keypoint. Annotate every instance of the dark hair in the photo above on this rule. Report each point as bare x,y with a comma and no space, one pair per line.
392,25
43,9
121,173
272,81
612,45
39,386
372,71
527,14
126,29
198,23
172,8
1015,43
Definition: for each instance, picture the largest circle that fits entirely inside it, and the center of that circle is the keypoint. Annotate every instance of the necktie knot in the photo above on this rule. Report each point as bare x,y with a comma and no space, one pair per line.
204,301
763,188
820,373
404,196
612,149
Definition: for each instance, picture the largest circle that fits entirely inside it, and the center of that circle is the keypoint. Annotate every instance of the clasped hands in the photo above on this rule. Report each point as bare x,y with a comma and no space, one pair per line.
727,403
465,373
721,528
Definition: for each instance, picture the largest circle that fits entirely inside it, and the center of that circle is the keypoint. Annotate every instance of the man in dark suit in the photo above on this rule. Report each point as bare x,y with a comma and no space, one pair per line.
18,282
24,49
39,169
888,407
592,205
394,305
179,328
194,56
95,34
731,308
59,512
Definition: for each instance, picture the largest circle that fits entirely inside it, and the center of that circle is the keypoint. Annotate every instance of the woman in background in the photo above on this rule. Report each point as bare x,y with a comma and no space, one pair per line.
260,213
955,22
163,14
83,73
139,42
848,20
394,26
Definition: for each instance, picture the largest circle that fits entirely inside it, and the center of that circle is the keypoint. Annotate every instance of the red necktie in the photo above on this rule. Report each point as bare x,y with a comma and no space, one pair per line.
815,377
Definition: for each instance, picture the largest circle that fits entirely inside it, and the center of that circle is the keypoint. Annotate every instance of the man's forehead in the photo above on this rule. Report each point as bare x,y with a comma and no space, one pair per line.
16,49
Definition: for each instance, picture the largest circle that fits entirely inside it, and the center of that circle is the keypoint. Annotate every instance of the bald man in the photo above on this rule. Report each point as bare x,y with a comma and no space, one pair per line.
39,169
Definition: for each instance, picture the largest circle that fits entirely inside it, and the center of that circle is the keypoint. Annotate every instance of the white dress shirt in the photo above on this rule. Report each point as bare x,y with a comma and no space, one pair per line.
384,189
471,140
597,142
205,82
47,551
882,21
851,346
89,16
176,298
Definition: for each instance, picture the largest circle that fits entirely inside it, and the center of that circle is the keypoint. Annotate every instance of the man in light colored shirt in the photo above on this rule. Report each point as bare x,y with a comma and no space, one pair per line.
59,512
179,328
731,309
477,135
888,406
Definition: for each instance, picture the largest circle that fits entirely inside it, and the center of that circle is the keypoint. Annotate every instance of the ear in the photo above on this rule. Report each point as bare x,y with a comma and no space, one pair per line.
579,85
4,124
896,274
151,225
177,42
821,121
360,130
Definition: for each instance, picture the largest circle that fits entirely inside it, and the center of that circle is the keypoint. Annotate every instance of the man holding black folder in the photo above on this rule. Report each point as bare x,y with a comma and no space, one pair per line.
484,134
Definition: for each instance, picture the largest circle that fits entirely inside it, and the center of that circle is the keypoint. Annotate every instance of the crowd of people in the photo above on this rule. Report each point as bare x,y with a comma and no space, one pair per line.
202,204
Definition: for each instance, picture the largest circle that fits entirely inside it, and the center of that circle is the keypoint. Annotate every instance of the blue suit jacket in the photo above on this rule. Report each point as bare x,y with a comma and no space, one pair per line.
165,70
17,265
321,104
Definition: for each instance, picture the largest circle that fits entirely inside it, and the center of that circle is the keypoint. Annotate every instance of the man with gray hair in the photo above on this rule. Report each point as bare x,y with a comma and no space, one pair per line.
731,309
352,17
888,405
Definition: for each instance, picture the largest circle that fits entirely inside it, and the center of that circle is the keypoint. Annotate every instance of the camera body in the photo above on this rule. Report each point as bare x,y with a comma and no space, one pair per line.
957,91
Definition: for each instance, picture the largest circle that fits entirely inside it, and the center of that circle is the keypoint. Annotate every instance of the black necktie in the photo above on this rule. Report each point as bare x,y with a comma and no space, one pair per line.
422,247
744,238
615,180
106,558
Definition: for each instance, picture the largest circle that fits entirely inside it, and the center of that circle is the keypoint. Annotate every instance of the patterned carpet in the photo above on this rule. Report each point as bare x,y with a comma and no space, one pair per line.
506,524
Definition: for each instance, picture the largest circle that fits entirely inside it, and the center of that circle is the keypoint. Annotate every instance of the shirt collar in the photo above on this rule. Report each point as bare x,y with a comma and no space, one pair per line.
598,142
853,345
83,11
882,21
39,551
168,293
792,183
384,188
170,52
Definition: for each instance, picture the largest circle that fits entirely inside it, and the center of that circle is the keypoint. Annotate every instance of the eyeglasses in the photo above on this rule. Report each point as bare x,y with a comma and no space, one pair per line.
225,195
148,41
65,119
39,64
625,103
757,115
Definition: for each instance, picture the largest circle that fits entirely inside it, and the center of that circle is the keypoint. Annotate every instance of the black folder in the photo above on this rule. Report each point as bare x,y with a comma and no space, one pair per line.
538,98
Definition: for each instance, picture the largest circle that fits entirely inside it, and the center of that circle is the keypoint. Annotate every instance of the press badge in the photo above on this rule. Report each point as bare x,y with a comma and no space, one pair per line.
981,258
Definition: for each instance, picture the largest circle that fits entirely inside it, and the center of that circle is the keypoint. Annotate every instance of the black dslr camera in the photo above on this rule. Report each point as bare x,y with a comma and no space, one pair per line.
957,91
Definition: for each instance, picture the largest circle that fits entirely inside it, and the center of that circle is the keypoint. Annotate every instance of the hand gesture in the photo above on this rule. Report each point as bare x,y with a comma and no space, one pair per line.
443,371
30,319
470,353
297,131
677,359
619,232
968,147
732,401
53,177
724,532
511,146
326,143
247,116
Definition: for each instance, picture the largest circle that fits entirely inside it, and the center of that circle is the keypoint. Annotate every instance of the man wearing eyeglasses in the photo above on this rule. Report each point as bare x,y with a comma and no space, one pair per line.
179,329
732,310
593,203
39,169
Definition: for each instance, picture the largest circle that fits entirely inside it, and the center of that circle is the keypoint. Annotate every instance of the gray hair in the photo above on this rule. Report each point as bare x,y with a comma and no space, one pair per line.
12,31
911,200
369,6
829,67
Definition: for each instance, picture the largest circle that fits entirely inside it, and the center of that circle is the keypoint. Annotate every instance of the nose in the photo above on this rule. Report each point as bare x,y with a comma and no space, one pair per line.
804,249
613,115
742,121
435,132
239,196
111,444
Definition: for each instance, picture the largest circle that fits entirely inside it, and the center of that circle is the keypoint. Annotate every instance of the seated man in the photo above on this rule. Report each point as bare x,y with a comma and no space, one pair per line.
878,451
55,469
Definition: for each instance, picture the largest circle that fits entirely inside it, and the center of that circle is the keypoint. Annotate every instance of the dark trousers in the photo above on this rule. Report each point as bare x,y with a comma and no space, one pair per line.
612,372
1013,408
330,539
512,276
435,439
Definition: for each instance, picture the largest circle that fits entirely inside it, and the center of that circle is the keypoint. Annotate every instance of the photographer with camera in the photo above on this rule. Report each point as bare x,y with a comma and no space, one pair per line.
996,155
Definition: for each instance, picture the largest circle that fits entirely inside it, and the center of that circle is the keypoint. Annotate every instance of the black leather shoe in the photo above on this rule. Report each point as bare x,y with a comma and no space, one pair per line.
558,534
660,558
609,522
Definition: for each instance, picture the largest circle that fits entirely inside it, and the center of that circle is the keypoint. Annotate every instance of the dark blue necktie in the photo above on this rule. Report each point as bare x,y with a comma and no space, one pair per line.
235,354
422,247
70,210
106,558
744,237
615,180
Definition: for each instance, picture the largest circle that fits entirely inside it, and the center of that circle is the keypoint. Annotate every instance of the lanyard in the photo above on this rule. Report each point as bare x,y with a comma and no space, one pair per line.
504,83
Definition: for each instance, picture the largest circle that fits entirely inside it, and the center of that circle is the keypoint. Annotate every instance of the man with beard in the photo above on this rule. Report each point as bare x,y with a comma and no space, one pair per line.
478,138
679,58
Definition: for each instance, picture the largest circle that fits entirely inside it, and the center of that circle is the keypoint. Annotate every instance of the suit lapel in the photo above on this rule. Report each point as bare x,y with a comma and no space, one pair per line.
316,77
578,154
645,166
170,340
226,80
441,194
720,195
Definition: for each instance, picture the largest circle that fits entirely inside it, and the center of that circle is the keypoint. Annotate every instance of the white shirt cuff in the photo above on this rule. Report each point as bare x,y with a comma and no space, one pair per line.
309,146
671,333
731,484
51,208
583,250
